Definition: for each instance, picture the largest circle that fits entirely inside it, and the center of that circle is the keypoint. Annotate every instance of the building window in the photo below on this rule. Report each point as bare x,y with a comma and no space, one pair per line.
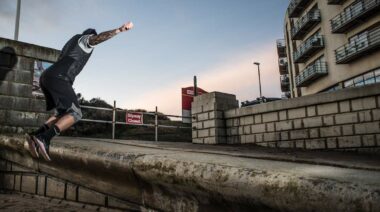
364,79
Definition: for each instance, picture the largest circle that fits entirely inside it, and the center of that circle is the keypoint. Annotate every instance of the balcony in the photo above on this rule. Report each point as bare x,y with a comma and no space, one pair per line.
283,65
354,14
309,48
285,85
296,7
281,48
360,45
336,2
311,73
305,24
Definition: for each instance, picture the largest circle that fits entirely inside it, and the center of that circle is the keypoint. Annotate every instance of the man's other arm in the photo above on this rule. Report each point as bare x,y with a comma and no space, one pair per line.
96,39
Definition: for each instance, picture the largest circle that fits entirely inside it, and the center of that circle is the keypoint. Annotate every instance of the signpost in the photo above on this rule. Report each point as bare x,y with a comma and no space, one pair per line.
134,118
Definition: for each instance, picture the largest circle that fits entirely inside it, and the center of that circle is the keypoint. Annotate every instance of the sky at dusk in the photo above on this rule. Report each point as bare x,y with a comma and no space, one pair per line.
173,40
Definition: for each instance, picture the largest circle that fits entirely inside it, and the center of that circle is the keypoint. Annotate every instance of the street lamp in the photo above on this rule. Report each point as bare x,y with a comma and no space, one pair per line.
258,67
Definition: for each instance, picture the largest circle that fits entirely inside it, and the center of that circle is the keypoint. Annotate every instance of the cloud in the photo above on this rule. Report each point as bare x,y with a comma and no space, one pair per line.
236,75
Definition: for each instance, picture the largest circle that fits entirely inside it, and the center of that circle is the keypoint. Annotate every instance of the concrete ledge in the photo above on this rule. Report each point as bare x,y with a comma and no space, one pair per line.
317,99
177,180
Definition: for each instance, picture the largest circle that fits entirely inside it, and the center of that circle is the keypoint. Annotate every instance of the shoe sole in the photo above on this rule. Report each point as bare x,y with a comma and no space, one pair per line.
41,149
32,146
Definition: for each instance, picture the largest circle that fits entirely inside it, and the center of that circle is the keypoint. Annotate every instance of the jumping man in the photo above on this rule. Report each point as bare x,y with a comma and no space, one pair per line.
56,84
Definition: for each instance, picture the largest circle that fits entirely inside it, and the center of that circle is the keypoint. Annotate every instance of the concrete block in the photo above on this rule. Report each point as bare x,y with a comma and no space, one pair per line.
55,188
213,123
233,140
284,125
248,120
376,114
344,106
263,144
6,102
316,144
299,144
283,115
37,105
298,124
197,125
311,111
328,120
313,122
202,116
258,119
285,144
15,89
236,122
348,129
367,128
299,134
272,136
247,130
369,140
272,144
332,131
197,140
194,133
234,130
270,127
71,192
269,117
365,116
363,103
203,133
196,109
284,135
29,184
297,113
210,140
241,130
258,128
248,139
41,185
229,123
92,197
346,118
314,133
17,185
259,138
377,139
329,108
349,141
215,115
8,181
331,143
18,118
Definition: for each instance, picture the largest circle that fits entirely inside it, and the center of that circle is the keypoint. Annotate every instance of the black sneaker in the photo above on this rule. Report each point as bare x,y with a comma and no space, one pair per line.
42,146
32,145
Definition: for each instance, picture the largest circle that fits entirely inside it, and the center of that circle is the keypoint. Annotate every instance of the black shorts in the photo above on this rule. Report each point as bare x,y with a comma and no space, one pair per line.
59,95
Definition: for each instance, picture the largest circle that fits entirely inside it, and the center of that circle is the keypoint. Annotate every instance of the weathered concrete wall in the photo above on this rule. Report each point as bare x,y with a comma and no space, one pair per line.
19,110
348,118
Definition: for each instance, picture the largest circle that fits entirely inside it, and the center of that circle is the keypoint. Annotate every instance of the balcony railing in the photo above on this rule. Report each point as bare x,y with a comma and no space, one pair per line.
281,48
359,46
336,2
285,84
283,65
296,7
311,73
308,48
353,15
305,24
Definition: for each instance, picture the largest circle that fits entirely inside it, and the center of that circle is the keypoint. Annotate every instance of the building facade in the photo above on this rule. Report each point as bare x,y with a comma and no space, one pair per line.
329,45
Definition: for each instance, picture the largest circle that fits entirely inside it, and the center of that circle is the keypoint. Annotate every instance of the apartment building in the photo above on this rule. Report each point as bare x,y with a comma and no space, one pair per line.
329,45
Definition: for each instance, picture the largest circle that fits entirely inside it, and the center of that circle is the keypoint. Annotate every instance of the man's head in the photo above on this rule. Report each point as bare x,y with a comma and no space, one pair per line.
89,31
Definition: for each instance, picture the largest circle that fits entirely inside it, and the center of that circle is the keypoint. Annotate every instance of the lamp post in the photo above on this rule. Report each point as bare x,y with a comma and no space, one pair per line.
17,24
258,67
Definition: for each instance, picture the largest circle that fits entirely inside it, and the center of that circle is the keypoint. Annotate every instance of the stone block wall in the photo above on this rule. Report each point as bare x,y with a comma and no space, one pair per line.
19,109
208,123
348,118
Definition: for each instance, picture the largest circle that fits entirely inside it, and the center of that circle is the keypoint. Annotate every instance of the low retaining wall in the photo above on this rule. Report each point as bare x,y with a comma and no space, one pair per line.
348,118
19,109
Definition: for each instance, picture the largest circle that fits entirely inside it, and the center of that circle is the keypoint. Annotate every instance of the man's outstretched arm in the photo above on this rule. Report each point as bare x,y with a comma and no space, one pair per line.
96,39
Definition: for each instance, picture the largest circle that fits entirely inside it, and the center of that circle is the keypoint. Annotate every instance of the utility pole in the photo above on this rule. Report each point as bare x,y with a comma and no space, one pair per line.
195,86
258,67
17,25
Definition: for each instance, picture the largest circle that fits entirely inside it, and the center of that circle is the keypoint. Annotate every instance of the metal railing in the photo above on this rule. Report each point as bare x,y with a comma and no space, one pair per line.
312,72
358,9
336,2
114,122
296,7
305,23
308,47
281,48
358,46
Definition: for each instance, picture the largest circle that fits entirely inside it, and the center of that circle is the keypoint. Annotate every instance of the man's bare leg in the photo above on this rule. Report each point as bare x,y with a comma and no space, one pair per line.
65,122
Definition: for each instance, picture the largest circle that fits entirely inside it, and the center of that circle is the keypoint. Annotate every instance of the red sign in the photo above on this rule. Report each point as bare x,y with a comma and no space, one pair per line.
188,95
134,118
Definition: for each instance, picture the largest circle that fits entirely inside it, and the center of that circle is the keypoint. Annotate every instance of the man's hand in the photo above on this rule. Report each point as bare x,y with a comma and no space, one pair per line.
126,26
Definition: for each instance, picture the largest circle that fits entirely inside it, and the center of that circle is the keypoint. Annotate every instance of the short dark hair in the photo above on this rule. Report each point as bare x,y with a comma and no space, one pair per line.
89,31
